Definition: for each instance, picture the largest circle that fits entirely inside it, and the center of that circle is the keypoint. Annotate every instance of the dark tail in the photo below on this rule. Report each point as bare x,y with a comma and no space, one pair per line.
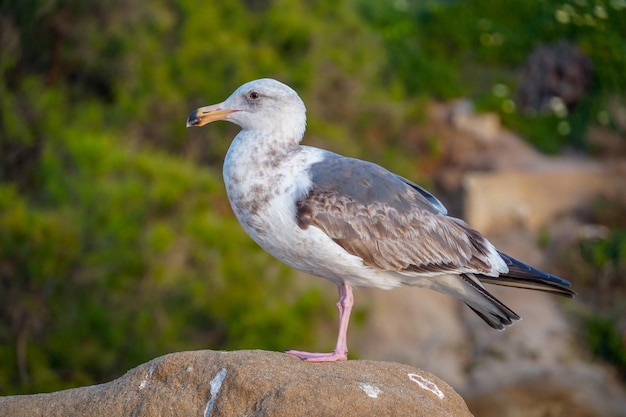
488,307
520,275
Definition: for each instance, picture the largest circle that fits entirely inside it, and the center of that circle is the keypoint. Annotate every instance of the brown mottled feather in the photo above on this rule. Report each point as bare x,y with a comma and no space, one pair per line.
392,239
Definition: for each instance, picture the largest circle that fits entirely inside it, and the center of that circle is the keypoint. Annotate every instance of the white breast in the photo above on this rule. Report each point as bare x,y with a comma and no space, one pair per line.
263,192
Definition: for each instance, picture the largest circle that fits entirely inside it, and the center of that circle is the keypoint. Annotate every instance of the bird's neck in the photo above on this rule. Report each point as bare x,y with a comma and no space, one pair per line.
261,146
254,154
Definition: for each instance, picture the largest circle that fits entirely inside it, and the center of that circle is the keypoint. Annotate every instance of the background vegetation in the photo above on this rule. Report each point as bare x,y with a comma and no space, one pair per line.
116,241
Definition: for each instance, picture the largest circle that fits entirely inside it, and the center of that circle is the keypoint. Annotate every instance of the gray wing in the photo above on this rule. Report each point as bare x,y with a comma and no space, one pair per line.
389,222
428,196
366,181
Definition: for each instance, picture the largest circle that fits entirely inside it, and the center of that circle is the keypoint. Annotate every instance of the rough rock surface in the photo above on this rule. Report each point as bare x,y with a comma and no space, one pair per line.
251,383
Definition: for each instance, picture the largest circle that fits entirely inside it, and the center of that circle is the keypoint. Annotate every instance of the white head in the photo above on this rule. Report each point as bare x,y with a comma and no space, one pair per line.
263,105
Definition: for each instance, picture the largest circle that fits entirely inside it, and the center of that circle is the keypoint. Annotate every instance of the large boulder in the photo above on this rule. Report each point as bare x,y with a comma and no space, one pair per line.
251,383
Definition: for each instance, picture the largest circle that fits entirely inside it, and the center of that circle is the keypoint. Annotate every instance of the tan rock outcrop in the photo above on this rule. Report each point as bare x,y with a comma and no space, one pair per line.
250,383
533,198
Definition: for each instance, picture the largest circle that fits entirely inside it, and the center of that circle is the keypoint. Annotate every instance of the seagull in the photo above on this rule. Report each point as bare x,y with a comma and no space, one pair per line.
352,222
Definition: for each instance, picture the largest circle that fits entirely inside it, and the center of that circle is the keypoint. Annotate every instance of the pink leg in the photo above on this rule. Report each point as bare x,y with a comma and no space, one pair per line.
340,353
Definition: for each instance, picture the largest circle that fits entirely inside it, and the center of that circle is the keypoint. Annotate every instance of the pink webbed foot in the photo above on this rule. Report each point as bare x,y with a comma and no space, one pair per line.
318,357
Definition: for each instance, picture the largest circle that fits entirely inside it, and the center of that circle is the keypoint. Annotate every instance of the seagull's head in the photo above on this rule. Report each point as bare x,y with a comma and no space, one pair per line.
261,105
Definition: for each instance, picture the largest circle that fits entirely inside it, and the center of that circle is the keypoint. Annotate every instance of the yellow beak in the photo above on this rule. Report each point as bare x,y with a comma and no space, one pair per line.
208,114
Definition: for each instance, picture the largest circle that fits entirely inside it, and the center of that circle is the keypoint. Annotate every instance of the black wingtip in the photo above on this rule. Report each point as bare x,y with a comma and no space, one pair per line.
526,276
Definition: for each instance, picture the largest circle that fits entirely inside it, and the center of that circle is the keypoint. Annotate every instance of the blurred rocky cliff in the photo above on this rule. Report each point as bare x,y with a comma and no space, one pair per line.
509,191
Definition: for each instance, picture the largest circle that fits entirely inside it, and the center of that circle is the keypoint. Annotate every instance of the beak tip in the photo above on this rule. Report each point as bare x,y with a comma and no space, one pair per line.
193,119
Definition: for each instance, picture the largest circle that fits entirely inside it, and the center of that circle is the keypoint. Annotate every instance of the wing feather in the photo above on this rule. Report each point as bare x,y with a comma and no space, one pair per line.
412,241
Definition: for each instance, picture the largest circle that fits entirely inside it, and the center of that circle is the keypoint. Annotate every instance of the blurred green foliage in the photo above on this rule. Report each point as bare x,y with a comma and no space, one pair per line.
596,264
121,255
116,241
607,342
478,47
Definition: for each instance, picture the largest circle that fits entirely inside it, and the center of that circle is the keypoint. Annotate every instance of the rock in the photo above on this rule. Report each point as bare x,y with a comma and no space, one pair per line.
251,383
533,198
484,127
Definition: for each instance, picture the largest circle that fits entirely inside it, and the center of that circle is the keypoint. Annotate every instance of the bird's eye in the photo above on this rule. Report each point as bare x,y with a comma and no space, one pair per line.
254,95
